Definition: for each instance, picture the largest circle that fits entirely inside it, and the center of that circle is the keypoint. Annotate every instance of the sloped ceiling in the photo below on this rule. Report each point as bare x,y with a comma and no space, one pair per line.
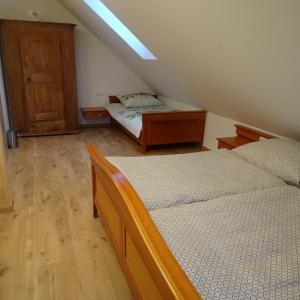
238,59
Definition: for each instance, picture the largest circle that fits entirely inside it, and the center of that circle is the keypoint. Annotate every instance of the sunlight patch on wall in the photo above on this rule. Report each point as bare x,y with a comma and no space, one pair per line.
112,21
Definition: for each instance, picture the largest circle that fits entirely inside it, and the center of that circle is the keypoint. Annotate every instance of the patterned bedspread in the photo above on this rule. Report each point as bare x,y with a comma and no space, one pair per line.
244,246
163,181
131,118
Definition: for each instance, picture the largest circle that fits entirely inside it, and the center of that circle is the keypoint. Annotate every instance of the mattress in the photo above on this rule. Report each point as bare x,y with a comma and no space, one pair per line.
131,118
164,181
244,246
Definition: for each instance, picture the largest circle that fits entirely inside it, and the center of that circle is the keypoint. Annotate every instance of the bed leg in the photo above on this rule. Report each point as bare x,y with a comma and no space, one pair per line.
199,145
144,148
95,211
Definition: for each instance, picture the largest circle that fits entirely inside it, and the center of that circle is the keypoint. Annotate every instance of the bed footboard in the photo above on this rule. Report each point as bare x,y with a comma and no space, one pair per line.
172,127
151,269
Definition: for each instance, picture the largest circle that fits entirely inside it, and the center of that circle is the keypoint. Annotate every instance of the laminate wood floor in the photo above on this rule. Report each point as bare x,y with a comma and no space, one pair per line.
50,245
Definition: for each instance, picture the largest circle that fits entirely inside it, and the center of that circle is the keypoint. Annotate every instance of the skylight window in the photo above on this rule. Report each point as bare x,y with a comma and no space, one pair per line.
111,20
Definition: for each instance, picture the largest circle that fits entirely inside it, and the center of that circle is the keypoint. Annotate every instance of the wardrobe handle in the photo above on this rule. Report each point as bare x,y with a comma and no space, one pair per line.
29,79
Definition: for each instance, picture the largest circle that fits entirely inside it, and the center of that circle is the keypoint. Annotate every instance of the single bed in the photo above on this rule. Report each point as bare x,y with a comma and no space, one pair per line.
158,125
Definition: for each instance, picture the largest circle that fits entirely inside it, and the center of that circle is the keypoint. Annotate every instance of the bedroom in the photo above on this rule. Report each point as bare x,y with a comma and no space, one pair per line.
238,61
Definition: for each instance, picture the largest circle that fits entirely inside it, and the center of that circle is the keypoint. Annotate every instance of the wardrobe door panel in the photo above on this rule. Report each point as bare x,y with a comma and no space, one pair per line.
41,57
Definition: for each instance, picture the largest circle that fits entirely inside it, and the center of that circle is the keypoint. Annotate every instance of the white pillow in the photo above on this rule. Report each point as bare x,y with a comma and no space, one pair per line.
139,100
279,156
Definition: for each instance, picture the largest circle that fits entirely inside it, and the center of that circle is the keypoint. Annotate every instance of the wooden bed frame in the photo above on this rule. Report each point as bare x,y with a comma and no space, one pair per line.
244,135
150,267
161,128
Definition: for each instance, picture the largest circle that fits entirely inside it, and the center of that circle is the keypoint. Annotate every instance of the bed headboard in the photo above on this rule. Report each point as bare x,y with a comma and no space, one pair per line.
115,99
251,134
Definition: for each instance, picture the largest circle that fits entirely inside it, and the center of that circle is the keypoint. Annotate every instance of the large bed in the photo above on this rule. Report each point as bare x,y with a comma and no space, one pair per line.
158,125
236,239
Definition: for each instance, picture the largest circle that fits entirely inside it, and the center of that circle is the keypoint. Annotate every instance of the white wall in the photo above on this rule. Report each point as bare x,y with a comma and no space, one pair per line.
157,74
238,59
99,72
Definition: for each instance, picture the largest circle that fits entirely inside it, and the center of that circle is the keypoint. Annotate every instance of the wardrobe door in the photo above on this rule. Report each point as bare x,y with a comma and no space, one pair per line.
42,73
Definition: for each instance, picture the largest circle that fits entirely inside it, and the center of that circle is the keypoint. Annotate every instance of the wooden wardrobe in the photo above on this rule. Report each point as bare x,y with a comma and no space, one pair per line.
40,76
